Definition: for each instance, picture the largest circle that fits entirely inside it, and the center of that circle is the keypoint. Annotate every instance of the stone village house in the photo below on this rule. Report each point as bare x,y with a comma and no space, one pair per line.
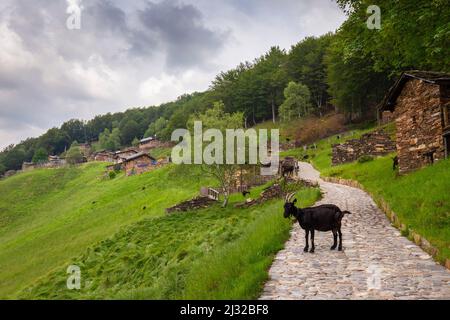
103,156
122,155
138,164
147,144
420,104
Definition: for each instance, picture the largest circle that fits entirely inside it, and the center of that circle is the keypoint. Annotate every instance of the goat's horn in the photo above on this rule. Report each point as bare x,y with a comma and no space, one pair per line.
286,198
289,196
292,195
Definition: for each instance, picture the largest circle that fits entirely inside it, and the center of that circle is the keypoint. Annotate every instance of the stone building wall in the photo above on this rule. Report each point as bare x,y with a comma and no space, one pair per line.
376,143
139,165
419,125
386,117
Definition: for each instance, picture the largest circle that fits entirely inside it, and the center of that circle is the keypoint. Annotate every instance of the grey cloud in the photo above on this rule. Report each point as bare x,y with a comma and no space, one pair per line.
180,28
136,40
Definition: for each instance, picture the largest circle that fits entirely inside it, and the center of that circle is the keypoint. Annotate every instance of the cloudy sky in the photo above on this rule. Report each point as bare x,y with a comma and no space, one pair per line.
132,53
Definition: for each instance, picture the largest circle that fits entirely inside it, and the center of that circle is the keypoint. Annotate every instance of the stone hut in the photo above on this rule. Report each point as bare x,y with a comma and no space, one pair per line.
27,166
420,103
152,143
103,156
122,155
377,143
138,164
54,162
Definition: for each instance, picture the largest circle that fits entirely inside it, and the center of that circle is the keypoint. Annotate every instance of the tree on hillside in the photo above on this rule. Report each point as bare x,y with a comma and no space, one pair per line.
128,131
135,142
55,141
40,155
74,155
156,128
297,101
13,157
272,72
110,140
306,64
217,118
363,63
75,130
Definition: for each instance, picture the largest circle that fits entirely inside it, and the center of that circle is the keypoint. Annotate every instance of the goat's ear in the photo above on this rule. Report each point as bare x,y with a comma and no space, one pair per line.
295,201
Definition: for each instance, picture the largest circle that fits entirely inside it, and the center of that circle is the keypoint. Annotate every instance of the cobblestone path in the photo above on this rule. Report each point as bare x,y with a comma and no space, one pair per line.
376,261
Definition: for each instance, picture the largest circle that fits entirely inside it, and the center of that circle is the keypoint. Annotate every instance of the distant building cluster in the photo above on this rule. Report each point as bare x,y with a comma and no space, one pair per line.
133,160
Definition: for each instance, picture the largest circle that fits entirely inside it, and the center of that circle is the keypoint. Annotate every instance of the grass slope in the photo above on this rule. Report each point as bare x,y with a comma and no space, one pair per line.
207,254
50,215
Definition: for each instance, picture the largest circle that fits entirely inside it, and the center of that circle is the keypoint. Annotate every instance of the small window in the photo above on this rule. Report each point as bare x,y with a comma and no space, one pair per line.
447,145
429,157
447,116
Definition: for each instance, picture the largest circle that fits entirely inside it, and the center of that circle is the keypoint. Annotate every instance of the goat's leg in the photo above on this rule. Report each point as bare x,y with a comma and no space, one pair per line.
306,239
312,241
334,239
340,239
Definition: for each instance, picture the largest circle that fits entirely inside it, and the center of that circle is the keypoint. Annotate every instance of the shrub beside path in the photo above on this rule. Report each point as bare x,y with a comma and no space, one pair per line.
377,262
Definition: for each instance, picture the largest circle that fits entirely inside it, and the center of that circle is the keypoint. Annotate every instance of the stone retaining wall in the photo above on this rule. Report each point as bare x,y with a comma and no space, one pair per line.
383,205
376,143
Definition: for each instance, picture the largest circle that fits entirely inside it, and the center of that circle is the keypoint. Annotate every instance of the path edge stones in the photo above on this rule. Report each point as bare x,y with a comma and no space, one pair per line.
411,234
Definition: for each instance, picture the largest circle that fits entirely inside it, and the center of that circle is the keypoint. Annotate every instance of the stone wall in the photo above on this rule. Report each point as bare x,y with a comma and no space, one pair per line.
386,117
376,143
190,205
419,125
139,166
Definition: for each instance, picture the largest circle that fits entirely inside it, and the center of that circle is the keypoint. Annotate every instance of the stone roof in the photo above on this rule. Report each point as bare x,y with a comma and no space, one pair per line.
147,140
430,77
138,155
126,150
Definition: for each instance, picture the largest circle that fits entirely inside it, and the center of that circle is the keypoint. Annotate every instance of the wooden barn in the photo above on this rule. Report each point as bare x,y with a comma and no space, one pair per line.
138,164
420,105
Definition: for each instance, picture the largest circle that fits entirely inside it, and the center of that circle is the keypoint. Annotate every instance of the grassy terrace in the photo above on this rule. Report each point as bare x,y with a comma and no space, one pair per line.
213,253
48,216
117,232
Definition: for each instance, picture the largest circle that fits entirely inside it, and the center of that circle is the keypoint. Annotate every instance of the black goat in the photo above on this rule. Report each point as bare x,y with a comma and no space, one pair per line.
326,217
245,193
394,163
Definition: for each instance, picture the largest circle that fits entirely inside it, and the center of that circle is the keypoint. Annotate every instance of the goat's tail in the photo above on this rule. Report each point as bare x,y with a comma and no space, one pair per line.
346,212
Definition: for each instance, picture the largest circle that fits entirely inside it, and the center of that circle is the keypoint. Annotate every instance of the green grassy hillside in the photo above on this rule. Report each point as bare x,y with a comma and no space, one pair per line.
118,233
48,216
211,253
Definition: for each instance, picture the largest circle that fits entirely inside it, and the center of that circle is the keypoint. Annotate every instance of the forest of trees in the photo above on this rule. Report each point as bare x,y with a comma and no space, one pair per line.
349,70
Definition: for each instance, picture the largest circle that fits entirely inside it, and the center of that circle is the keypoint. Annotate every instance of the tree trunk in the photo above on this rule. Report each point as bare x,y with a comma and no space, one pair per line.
225,199
273,111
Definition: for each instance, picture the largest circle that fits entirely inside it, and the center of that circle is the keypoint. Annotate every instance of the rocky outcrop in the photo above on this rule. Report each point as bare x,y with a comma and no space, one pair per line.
190,205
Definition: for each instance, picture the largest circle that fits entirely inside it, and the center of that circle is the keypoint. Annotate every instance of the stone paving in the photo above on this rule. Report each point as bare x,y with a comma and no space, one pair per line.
376,261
